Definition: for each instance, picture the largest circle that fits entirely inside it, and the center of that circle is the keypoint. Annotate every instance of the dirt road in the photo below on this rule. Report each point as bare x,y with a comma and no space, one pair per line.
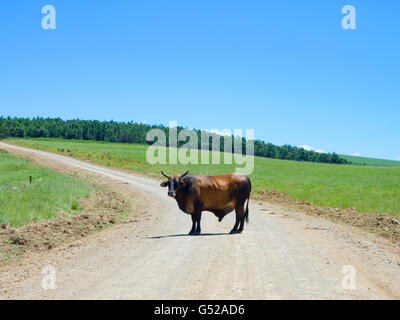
280,254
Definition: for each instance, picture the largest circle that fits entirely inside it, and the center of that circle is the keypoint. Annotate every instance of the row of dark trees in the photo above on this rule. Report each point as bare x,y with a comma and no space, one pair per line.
131,132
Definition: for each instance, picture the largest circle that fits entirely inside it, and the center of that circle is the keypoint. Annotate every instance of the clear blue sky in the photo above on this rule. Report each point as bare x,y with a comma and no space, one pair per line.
285,68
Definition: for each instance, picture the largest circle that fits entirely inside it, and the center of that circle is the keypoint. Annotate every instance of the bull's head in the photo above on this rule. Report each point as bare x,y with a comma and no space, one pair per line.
173,183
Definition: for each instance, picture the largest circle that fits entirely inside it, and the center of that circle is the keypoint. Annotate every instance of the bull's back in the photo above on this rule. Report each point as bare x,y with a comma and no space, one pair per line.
222,191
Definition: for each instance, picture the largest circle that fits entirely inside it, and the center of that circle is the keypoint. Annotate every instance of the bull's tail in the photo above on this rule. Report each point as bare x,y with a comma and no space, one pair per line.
247,210
247,205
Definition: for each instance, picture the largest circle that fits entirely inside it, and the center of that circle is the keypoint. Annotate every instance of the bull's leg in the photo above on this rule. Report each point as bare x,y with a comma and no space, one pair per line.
239,218
242,217
235,227
241,224
192,231
198,218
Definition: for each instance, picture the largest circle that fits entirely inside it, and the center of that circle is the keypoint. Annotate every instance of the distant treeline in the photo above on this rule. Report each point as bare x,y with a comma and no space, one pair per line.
131,132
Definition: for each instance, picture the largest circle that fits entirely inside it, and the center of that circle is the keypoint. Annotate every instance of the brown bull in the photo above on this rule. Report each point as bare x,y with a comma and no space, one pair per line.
218,194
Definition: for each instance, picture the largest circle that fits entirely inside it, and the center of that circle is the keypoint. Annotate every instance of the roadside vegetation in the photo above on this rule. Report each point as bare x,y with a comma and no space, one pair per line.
54,209
359,187
49,193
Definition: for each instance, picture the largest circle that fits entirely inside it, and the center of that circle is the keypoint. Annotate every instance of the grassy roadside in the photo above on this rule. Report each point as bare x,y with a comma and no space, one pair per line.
55,208
360,188
49,193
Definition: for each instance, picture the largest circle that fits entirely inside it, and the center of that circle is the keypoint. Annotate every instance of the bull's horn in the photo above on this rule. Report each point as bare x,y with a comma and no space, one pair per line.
164,174
184,174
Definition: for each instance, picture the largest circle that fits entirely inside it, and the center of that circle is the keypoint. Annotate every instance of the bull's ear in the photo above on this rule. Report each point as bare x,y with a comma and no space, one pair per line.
164,184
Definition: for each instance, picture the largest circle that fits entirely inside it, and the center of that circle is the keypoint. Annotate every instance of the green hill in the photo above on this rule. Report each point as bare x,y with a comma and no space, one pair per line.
371,161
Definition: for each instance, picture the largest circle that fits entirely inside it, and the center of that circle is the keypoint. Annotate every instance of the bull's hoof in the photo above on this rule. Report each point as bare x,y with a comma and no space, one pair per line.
239,231
233,231
197,233
191,233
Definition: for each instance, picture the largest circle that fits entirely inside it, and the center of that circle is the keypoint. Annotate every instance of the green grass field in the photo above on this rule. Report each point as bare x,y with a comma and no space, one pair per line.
371,161
366,188
49,193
